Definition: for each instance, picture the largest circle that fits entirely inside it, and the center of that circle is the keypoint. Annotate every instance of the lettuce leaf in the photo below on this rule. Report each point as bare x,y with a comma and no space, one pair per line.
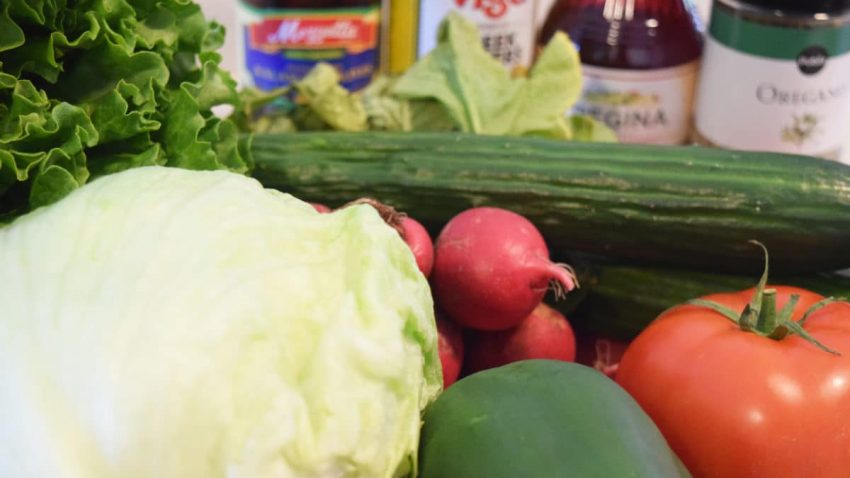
94,87
588,129
167,323
387,112
480,95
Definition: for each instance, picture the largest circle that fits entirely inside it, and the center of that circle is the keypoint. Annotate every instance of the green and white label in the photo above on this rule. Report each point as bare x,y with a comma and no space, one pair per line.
778,89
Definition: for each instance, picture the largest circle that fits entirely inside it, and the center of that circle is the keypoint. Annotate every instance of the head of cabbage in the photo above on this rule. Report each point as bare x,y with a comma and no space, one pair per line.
169,323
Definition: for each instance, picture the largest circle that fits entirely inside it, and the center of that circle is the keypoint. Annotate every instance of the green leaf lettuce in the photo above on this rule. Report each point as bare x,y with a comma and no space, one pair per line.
97,86
481,96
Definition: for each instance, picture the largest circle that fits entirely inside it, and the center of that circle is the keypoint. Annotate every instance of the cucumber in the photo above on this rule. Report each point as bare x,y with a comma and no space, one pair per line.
685,206
620,301
542,419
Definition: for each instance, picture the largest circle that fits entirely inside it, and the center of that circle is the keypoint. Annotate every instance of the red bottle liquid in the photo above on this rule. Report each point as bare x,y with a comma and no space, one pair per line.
639,59
281,41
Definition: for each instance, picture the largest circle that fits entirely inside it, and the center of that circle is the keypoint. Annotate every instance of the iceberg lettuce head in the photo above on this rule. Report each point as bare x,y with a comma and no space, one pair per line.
166,323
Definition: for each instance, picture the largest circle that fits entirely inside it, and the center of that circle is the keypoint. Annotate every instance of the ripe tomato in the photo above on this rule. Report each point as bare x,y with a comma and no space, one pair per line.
735,404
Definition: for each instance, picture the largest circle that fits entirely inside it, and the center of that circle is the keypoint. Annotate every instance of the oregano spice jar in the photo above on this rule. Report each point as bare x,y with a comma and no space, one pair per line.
776,77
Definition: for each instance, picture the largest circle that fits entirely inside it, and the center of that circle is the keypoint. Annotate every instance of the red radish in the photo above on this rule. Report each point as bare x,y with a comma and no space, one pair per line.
417,237
320,208
410,230
544,334
450,348
492,268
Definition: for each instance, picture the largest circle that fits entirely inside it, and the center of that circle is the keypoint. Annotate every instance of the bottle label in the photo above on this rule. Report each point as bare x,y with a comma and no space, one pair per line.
279,46
507,26
775,88
641,106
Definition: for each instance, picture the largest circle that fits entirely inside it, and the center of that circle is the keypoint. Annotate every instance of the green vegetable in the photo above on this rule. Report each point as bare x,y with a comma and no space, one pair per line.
160,322
586,128
478,92
457,86
620,301
680,206
538,419
92,87
316,102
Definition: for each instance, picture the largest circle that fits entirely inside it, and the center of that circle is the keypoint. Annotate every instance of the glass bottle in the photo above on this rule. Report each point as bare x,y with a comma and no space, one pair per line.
639,59
507,27
280,41
776,77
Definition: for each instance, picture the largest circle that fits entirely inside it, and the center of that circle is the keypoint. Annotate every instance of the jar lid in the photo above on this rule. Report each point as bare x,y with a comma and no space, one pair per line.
804,6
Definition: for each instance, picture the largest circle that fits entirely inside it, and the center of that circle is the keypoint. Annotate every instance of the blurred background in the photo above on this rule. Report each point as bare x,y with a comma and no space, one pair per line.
226,13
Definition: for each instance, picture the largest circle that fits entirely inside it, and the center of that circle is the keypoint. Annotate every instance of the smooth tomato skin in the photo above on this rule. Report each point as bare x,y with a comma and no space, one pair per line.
733,404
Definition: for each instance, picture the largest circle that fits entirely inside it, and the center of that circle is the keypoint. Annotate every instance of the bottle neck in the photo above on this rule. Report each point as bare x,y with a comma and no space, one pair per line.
628,34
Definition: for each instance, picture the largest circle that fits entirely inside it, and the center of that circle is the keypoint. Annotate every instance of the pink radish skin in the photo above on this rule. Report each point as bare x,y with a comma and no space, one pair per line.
544,334
492,268
419,241
320,208
450,349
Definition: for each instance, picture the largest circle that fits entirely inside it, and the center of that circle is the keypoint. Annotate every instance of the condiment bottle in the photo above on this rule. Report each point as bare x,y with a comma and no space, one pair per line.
776,77
280,41
639,63
508,28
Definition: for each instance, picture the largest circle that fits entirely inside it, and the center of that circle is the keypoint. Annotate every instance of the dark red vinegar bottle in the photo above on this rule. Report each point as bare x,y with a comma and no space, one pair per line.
639,63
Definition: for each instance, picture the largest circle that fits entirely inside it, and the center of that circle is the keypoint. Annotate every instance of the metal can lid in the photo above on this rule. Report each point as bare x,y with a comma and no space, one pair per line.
829,7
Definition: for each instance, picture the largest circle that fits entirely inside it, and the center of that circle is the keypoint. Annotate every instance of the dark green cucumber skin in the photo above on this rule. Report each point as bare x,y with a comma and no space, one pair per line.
620,301
685,206
542,419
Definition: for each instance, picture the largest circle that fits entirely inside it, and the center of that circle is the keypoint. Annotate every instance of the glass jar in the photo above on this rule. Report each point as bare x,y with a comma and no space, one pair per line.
639,62
776,77
281,41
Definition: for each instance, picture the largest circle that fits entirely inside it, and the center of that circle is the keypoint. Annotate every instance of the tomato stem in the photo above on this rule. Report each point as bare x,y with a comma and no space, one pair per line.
761,317
767,319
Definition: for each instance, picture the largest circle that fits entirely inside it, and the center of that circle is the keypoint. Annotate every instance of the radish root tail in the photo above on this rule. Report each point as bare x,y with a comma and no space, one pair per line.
390,216
564,281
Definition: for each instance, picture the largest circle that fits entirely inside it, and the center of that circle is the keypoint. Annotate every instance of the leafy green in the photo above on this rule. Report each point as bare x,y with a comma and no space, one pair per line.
388,112
479,93
587,128
329,102
93,87
160,322
316,102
